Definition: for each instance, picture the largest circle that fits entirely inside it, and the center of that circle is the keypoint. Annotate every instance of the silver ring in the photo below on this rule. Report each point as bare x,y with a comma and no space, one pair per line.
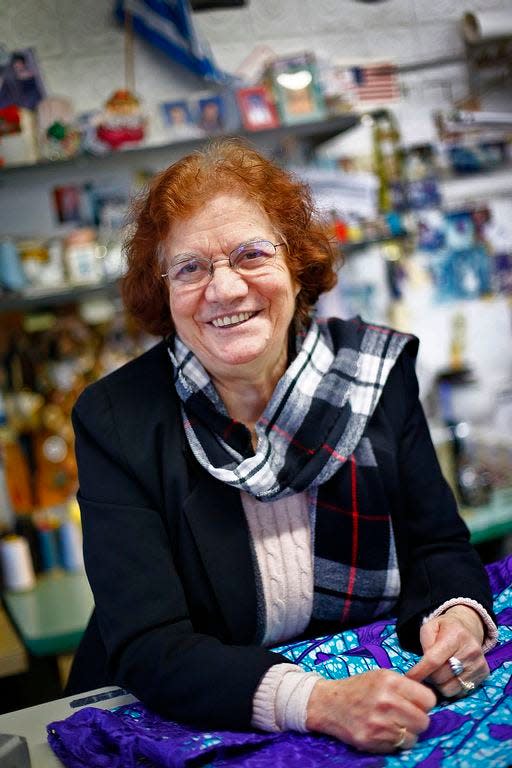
456,666
401,738
467,686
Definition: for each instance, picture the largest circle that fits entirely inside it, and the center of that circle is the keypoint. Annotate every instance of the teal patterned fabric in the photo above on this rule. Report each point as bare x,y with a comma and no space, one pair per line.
473,732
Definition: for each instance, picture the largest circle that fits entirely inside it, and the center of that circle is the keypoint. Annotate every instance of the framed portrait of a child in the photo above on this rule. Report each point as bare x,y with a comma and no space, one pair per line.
256,109
176,115
210,114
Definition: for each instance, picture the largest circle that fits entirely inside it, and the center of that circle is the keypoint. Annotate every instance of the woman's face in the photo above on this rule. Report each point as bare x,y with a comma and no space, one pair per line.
257,310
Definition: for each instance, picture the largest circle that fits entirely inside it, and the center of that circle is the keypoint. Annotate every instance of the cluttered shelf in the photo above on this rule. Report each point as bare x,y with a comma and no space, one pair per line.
40,300
390,228
69,295
315,132
484,184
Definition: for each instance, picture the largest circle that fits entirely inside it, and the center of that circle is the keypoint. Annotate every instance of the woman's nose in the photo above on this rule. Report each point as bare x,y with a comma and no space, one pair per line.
225,285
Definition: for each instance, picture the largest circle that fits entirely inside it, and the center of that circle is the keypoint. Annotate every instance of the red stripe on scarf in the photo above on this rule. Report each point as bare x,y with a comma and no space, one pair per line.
333,452
335,508
355,538
291,439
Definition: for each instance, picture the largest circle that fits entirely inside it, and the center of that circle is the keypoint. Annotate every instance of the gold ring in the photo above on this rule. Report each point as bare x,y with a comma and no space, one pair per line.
401,737
466,686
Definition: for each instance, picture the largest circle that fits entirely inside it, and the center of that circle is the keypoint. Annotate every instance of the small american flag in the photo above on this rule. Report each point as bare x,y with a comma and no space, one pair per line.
375,83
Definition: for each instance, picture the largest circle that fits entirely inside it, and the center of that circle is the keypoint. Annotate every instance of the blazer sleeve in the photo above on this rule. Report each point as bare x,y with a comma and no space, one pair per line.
151,645
440,562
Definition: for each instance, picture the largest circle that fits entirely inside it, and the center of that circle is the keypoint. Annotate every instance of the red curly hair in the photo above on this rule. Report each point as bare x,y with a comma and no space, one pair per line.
226,165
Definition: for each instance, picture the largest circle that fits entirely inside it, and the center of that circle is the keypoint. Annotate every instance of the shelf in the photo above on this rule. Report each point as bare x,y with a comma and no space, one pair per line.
348,248
476,187
316,132
37,301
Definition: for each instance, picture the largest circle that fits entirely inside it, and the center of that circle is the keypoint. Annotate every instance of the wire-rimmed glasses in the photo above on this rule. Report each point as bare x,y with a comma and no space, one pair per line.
248,259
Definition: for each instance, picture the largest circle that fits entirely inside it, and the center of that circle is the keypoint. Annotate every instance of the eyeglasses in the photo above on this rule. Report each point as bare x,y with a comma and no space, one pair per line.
248,259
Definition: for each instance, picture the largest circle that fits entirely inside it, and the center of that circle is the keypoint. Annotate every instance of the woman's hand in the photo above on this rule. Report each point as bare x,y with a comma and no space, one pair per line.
377,711
458,632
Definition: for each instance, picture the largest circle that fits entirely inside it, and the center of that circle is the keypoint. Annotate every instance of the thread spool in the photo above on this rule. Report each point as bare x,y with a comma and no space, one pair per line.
48,548
17,568
70,546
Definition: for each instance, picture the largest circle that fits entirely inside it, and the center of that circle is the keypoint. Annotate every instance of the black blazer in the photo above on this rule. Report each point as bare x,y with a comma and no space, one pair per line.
168,554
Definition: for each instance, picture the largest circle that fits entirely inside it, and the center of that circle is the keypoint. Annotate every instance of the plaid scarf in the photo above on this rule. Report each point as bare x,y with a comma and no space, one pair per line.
311,438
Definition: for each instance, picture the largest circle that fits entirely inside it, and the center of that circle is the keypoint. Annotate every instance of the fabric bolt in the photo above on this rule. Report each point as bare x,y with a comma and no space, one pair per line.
475,730
307,439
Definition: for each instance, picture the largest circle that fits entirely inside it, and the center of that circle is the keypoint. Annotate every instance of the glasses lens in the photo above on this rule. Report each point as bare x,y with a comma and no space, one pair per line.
253,256
192,270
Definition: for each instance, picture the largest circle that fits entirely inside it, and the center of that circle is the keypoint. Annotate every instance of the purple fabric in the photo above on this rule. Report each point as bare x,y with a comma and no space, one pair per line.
475,731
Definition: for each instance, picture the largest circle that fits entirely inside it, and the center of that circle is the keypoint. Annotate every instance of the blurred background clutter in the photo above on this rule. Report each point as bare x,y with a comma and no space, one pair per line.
399,116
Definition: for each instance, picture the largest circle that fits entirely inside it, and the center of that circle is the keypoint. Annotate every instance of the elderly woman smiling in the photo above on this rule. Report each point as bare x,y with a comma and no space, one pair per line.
259,475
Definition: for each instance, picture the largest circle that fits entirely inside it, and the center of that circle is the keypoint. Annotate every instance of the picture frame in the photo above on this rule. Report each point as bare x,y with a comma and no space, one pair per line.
210,114
257,110
176,115
294,82
20,80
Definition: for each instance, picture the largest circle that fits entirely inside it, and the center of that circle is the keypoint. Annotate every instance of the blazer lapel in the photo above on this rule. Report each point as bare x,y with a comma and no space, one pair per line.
216,517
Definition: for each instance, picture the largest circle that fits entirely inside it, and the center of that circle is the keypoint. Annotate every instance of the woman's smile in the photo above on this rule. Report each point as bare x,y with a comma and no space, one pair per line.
228,321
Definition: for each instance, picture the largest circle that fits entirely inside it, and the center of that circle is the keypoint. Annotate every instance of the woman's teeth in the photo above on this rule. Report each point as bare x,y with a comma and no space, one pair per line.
221,322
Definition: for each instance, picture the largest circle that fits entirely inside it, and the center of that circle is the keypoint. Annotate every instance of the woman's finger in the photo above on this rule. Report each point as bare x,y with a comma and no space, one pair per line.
442,638
475,670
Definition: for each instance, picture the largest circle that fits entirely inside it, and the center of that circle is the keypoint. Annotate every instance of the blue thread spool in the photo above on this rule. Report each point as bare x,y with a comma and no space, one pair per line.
48,549
12,276
70,546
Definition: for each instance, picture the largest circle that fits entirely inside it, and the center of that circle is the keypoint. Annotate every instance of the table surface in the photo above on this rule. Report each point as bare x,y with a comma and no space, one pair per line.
493,520
51,617
31,723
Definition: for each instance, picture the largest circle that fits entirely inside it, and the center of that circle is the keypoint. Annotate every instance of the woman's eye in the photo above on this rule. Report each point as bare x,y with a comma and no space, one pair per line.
189,269
252,257
191,266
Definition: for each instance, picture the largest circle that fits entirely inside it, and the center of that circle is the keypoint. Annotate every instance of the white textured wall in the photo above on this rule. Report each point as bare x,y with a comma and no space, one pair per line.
81,48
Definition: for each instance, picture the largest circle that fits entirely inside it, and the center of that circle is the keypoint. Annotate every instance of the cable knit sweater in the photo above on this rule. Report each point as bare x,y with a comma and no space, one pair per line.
283,549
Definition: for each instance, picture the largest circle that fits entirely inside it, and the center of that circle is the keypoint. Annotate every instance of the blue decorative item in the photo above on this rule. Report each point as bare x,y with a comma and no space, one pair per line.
460,265
168,25
12,276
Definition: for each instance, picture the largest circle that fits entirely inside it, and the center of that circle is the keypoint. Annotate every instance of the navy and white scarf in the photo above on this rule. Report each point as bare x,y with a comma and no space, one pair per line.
311,438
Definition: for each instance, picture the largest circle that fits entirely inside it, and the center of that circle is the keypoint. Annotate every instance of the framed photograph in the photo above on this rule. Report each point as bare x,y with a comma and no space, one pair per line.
20,80
295,84
210,114
256,109
176,115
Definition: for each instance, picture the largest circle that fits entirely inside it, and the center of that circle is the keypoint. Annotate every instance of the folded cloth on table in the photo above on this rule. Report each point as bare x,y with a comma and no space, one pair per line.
473,731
